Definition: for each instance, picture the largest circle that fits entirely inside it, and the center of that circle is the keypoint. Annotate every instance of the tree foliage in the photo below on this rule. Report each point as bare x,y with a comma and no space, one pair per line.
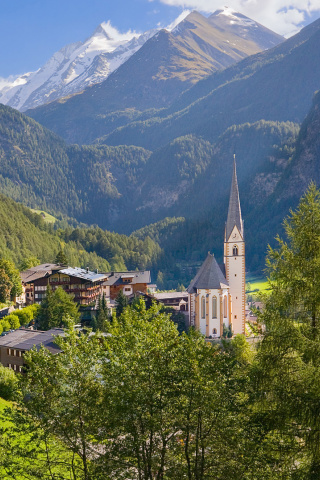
288,367
56,310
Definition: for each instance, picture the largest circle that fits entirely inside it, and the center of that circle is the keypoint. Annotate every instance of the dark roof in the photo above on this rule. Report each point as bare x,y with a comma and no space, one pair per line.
26,339
209,276
39,271
234,211
133,277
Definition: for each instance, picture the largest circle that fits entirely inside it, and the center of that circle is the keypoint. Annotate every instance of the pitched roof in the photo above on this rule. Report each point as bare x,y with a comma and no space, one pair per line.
39,271
84,274
209,276
134,277
234,211
26,339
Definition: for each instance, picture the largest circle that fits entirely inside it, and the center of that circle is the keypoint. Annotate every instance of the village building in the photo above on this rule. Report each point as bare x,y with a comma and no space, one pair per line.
217,294
176,300
130,283
14,345
85,285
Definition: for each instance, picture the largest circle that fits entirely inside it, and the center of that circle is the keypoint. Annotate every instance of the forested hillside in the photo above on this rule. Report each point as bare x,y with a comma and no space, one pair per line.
24,234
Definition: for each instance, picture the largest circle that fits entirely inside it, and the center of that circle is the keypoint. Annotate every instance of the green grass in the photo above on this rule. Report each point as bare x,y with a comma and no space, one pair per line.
46,216
257,283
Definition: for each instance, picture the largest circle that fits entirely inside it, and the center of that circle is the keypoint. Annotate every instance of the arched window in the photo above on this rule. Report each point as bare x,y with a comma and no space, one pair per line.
214,307
225,307
203,307
214,331
235,251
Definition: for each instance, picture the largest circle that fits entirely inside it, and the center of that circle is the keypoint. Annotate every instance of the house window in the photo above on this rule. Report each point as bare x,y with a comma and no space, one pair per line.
235,316
225,307
235,251
214,307
214,331
203,307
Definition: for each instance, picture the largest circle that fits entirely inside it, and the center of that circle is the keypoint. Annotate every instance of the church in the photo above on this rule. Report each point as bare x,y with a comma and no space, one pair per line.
217,295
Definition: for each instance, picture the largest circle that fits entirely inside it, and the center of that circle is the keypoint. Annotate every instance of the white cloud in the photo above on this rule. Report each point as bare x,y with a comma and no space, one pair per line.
282,16
179,19
12,80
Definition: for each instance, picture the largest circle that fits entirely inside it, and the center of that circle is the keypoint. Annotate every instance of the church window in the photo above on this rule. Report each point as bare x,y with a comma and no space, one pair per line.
214,307
203,307
235,251
225,307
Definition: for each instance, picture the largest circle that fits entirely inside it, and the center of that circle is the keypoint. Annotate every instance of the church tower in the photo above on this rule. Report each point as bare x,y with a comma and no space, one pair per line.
234,257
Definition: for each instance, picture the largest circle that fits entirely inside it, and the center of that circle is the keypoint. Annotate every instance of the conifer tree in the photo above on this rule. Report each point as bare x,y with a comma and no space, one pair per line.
121,303
289,355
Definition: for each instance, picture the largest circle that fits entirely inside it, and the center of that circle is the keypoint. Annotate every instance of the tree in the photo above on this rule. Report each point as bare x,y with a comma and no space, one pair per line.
5,286
102,315
121,303
28,263
56,309
8,383
61,257
14,275
288,370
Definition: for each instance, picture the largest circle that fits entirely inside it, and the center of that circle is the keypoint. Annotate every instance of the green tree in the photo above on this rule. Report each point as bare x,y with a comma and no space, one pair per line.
56,309
289,355
102,315
121,303
28,263
8,383
6,286
61,258
14,275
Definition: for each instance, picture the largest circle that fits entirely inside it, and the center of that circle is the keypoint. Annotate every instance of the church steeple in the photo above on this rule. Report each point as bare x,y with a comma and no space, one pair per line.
234,257
234,213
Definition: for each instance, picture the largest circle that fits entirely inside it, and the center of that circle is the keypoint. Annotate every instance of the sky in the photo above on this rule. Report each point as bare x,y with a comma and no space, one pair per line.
32,30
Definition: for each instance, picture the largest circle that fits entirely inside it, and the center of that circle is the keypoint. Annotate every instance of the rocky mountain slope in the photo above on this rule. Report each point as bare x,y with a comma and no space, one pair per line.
74,67
165,66
276,85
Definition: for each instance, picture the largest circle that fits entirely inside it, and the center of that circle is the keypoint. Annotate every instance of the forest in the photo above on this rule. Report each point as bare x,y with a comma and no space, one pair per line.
143,401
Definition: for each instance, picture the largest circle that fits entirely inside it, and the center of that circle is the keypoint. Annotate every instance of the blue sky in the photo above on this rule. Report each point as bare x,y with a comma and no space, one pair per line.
32,30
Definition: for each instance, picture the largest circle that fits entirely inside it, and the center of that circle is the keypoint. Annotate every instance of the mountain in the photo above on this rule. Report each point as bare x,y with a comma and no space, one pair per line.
74,67
165,66
38,169
276,85
25,234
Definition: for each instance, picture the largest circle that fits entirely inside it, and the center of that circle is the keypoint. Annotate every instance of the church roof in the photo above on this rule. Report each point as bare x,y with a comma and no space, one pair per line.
208,277
234,212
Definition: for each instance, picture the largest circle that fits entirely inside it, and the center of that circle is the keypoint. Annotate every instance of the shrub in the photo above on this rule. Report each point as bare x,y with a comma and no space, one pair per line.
8,383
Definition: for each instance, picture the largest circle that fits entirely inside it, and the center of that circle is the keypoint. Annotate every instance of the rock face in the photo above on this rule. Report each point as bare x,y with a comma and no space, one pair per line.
165,66
73,68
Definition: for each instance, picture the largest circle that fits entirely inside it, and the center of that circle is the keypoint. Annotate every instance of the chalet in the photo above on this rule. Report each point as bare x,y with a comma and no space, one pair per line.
32,275
86,286
14,345
176,300
130,283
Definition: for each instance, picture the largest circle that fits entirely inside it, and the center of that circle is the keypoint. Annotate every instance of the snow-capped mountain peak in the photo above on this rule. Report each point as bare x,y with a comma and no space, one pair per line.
73,68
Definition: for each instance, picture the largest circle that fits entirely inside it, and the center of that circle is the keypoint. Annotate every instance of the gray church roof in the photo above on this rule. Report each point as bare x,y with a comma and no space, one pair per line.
234,212
209,276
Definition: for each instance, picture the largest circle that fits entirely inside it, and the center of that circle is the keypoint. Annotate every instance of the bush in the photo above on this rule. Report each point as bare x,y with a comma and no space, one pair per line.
8,383
13,321
27,314
5,324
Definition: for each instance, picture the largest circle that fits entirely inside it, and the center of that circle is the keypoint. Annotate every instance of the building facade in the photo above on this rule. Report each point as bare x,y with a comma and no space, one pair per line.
217,295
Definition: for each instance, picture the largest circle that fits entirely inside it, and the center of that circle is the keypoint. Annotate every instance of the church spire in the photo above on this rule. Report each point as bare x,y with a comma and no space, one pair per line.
234,212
